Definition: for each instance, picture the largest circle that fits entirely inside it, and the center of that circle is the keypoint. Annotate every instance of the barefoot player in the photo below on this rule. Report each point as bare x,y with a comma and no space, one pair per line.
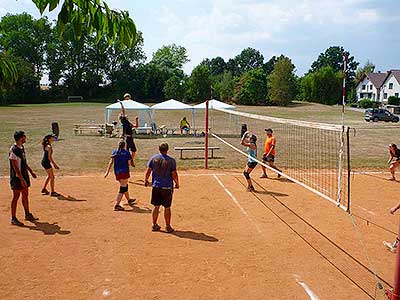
249,140
48,163
269,153
19,178
393,246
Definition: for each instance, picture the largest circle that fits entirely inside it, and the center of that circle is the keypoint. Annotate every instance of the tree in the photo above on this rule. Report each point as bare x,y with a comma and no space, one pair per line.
333,57
199,84
217,65
8,75
225,87
171,57
155,82
93,15
369,67
282,83
251,88
174,88
323,86
247,60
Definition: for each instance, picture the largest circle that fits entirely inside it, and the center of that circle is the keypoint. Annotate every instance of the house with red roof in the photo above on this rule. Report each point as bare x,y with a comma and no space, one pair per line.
391,85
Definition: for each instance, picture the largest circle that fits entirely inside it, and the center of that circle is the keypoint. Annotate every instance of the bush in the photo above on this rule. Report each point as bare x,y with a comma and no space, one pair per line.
366,103
394,100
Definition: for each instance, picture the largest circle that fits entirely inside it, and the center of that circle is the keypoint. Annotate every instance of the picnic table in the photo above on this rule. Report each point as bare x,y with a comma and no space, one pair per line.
212,149
89,129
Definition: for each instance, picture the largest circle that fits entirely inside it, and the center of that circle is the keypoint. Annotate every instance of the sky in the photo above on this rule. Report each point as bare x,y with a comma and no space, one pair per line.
299,29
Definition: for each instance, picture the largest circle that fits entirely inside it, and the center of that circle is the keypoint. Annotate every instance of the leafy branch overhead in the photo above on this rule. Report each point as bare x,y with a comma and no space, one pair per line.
95,16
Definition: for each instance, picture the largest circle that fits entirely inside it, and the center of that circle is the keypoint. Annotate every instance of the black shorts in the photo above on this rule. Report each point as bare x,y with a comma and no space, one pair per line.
46,165
252,164
268,158
130,144
15,183
161,197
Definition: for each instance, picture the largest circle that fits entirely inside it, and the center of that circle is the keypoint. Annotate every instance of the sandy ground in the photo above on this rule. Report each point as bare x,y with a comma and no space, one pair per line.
279,243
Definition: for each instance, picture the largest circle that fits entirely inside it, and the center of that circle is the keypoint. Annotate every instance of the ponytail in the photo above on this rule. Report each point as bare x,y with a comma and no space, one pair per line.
121,145
46,141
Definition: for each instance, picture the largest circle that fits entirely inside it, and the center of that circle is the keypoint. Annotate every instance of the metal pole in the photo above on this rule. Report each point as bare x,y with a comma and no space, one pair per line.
345,57
348,170
396,289
206,140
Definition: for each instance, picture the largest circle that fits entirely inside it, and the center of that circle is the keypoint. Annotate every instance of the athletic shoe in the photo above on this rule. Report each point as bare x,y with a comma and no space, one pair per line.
251,189
264,176
169,229
54,194
131,202
279,176
16,222
118,208
45,192
392,247
29,217
155,227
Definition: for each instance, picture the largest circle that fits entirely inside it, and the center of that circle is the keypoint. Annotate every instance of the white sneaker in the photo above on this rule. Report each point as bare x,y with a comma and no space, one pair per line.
390,246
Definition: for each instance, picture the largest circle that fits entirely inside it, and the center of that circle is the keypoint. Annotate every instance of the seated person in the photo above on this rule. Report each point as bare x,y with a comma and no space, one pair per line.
184,126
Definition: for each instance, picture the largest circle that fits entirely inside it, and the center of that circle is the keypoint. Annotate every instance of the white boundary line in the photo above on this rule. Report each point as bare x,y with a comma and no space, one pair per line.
243,211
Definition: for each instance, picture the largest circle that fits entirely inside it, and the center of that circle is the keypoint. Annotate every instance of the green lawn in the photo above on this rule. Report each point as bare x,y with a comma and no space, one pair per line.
87,154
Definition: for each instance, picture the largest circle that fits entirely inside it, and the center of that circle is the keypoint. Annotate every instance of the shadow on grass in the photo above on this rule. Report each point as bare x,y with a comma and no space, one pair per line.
69,198
194,236
47,228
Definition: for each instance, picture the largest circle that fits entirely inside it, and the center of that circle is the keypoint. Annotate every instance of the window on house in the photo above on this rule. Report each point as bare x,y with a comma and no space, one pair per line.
384,95
370,86
390,86
363,87
396,95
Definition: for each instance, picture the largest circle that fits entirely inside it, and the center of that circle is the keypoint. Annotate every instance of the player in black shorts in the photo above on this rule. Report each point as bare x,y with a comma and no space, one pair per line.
48,163
394,160
163,170
19,178
127,131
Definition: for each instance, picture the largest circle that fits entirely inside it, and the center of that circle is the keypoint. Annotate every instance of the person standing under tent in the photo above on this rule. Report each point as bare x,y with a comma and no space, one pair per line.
121,159
19,178
184,125
392,246
269,153
127,132
394,160
162,169
250,141
127,96
48,163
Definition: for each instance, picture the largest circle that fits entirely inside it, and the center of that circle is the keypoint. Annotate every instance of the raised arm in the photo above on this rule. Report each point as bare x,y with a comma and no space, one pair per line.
243,140
122,107
394,209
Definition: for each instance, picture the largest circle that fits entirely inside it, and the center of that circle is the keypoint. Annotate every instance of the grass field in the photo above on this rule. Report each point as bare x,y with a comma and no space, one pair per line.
79,154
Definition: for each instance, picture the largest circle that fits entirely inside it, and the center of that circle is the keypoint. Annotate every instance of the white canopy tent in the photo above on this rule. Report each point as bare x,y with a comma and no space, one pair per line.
214,104
173,104
143,110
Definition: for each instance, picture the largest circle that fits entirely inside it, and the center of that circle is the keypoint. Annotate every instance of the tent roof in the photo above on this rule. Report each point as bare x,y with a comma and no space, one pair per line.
171,104
214,104
128,105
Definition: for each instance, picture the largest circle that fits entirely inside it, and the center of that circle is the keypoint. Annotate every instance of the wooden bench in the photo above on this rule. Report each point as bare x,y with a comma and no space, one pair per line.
89,129
195,149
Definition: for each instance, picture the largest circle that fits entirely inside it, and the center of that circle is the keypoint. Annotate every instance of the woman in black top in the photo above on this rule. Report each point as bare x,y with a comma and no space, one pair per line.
394,160
127,133
47,162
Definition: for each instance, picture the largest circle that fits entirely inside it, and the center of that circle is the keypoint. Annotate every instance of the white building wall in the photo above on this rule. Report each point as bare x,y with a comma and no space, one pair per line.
369,90
395,91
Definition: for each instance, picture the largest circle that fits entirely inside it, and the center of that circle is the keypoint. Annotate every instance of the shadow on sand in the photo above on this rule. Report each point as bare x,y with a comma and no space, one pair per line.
69,198
47,228
194,236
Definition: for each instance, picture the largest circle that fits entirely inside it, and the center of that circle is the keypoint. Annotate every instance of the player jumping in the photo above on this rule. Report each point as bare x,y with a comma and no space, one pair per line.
127,132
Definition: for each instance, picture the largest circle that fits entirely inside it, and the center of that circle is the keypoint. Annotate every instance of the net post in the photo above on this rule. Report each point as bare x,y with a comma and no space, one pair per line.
348,169
206,140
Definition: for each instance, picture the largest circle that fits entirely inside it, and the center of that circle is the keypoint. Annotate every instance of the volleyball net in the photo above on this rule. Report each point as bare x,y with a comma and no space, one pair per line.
312,155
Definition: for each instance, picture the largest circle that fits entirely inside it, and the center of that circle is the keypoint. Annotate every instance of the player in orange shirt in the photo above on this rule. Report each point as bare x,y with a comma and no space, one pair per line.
269,153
